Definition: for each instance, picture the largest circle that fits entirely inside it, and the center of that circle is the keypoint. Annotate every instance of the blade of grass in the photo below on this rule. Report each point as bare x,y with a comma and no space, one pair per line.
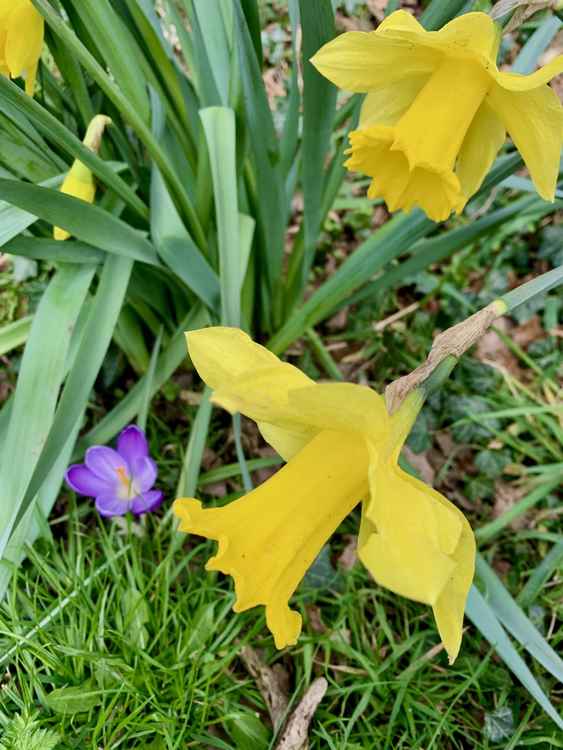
490,530
149,384
516,622
540,575
483,617
539,41
187,484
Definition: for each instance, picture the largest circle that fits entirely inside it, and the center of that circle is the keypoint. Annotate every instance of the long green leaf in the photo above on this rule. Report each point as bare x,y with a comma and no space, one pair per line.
516,622
39,381
483,617
70,251
319,103
87,222
267,178
76,392
14,334
219,127
439,12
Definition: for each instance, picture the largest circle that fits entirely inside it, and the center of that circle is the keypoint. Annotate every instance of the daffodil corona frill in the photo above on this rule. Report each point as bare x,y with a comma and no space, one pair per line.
341,447
21,40
437,110
79,182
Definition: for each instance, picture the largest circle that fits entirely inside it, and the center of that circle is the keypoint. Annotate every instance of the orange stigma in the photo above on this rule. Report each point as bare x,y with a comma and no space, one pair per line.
123,476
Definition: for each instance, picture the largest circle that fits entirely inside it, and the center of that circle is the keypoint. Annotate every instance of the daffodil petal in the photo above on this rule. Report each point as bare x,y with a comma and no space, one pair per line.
481,144
268,538
387,105
450,606
24,40
286,441
410,553
534,121
345,407
367,61
474,31
530,81
220,354
400,20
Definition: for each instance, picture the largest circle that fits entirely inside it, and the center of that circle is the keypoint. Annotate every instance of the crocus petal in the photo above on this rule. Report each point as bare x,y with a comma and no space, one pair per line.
109,505
143,473
482,142
105,462
268,538
132,444
146,502
25,38
85,482
534,120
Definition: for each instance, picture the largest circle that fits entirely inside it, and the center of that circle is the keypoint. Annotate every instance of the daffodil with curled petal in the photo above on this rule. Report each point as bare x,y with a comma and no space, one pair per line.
438,109
21,40
79,182
341,447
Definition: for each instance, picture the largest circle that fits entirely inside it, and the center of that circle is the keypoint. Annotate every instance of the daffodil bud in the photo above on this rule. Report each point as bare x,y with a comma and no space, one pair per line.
79,182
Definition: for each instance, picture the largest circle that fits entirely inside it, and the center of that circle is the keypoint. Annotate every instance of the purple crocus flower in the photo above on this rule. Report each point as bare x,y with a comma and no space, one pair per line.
121,480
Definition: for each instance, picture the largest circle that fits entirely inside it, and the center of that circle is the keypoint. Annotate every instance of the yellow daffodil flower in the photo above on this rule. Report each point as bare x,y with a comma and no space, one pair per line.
341,447
79,182
21,40
437,110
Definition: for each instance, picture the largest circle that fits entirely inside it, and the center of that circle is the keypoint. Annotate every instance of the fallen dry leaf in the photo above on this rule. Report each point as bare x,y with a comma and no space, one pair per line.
315,618
420,462
271,684
377,8
531,330
491,349
506,496
349,555
295,734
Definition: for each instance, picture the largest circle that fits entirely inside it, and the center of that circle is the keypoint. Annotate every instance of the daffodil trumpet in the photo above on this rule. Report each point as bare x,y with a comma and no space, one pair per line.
79,181
21,40
437,110
342,447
